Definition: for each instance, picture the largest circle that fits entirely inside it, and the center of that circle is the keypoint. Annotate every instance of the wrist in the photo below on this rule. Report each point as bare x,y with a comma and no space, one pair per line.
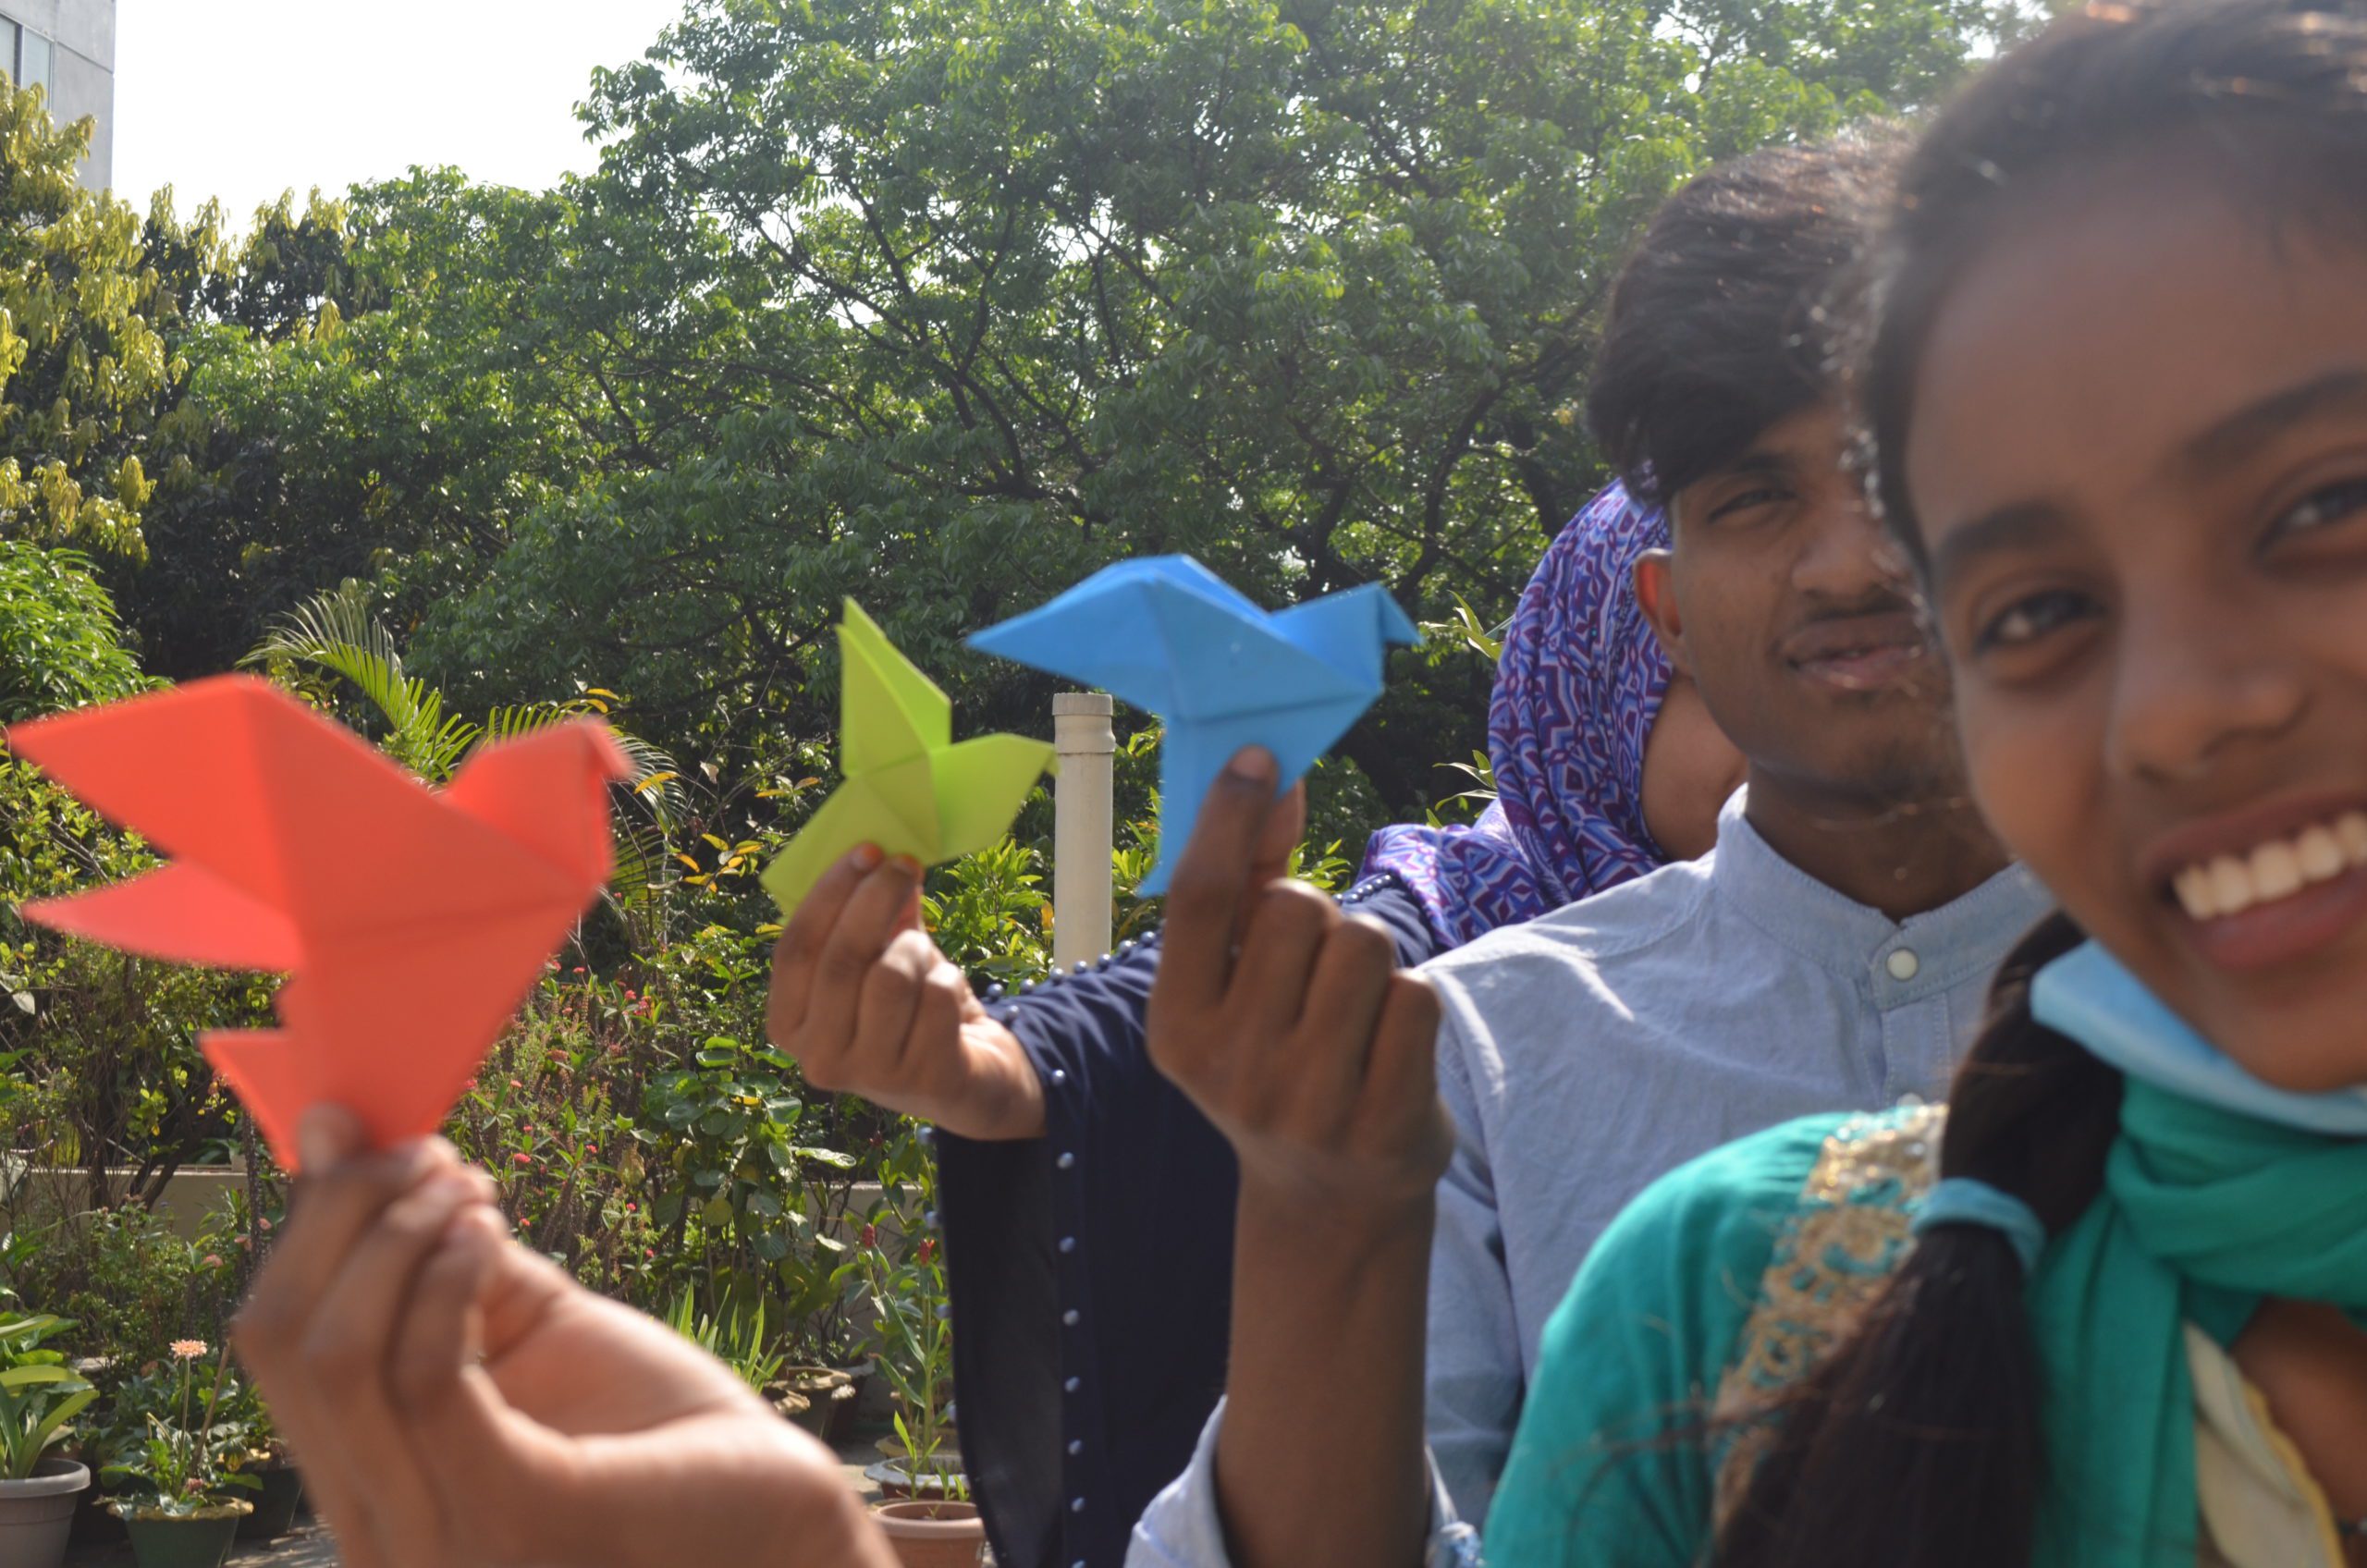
1323,1228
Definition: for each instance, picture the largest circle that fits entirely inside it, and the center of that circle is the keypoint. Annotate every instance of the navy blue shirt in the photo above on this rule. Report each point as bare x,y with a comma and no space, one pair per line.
1091,1270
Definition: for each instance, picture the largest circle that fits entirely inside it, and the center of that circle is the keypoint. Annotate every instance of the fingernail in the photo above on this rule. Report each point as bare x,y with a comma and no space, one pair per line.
322,1137
908,865
866,856
1253,765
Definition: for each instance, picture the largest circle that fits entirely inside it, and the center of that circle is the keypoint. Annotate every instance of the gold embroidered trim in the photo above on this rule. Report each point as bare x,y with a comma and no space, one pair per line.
1836,1249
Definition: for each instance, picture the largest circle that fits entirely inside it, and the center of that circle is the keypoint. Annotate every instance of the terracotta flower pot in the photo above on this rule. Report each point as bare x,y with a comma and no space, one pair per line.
275,1514
932,1534
187,1540
829,1397
798,1409
36,1514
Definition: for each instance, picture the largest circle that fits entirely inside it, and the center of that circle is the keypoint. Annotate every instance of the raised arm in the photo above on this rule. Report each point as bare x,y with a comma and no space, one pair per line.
1286,1023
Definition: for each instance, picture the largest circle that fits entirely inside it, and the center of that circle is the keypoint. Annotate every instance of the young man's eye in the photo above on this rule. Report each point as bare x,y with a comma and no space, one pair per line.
2028,619
1749,500
2322,508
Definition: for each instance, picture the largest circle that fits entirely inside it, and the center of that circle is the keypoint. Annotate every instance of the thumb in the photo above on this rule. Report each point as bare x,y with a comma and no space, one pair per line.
1285,826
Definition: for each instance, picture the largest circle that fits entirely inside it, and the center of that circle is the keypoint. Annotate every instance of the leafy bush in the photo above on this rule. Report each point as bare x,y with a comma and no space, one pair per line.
59,643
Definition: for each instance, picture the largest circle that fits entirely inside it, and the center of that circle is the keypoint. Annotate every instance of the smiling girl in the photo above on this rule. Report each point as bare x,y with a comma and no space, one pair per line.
2105,1308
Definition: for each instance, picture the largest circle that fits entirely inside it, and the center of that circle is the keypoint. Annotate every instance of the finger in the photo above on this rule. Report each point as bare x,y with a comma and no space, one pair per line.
479,1454
1286,930
341,1195
1211,876
936,1039
1345,1000
438,1336
885,1012
348,1347
1401,1084
864,930
803,939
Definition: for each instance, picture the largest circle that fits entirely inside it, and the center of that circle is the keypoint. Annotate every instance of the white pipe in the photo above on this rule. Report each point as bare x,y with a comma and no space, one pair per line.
1081,827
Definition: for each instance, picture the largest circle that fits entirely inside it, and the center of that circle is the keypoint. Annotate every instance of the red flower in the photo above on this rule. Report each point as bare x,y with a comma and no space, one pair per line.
633,1208
928,1249
871,1235
647,1252
521,1158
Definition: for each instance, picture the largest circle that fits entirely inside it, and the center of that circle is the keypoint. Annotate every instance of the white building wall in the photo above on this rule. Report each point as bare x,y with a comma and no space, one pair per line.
82,78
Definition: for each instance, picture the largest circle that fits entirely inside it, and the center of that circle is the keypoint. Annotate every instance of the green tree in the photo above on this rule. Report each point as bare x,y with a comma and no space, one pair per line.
944,305
84,370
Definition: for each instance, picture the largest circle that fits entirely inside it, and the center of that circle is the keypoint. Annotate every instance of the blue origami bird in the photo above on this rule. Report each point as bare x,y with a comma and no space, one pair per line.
1170,636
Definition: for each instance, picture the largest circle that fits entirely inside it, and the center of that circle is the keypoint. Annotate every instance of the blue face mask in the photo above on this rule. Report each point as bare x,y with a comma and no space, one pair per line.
2086,995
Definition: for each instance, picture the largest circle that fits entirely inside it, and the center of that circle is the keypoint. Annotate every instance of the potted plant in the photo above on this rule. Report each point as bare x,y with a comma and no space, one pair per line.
38,1394
279,1485
934,1524
180,1505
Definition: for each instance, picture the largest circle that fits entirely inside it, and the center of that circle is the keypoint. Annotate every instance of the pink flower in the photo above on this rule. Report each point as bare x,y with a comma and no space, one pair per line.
265,1222
649,1253
192,1486
633,1208
871,1235
187,1350
213,1260
247,1243
521,1158
516,1085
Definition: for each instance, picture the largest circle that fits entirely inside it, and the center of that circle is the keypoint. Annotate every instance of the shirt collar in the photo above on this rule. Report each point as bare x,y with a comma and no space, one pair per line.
1941,947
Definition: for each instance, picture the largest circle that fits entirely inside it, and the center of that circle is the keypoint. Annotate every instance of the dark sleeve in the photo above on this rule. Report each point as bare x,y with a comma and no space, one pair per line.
1091,1270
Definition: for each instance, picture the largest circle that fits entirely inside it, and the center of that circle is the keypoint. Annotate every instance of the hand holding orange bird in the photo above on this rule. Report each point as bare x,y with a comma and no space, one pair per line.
411,922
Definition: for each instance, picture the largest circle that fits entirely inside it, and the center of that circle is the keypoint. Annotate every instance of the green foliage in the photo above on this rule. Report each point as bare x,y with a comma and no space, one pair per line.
39,1393
85,370
132,1284
903,1271
736,1338
59,645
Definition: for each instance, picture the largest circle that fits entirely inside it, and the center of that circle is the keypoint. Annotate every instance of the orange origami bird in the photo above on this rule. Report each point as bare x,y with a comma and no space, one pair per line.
411,922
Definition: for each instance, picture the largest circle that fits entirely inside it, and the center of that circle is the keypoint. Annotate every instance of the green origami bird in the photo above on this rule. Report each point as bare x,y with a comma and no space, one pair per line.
909,789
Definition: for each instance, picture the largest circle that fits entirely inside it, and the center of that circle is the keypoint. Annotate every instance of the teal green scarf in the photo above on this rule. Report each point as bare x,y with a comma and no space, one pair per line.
2205,1211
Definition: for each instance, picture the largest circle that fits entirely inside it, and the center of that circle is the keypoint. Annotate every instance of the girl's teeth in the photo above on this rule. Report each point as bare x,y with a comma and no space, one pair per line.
2194,892
2231,886
2321,855
2276,872
2352,830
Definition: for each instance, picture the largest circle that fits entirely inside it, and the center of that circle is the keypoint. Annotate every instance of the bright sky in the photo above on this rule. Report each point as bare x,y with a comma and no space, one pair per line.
242,99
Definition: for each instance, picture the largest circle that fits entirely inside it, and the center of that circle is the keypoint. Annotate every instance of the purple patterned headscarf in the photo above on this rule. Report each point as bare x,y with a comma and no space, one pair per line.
1579,685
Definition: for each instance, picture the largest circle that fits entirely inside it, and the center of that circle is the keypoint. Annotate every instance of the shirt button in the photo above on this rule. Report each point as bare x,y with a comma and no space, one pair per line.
1071,1318
1074,1384
1066,1162
1077,1505
1076,1446
1903,964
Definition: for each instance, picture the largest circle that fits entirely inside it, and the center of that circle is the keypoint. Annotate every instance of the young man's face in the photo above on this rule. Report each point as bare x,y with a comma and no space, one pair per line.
1790,609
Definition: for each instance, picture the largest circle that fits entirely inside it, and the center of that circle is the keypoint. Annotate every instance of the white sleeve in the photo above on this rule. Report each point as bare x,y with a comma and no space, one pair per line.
1180,1527
1475,1382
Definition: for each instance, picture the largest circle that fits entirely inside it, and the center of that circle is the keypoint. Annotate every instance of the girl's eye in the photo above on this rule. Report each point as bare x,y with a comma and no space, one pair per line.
2026,620
2323,510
